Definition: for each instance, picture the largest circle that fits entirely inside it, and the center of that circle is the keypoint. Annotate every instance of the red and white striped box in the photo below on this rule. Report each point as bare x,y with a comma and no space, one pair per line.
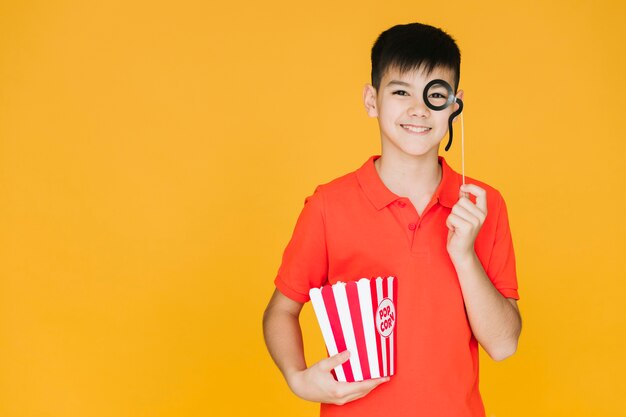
359,316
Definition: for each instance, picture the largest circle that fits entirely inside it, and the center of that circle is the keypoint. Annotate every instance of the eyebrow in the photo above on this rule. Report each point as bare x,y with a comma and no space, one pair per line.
396,82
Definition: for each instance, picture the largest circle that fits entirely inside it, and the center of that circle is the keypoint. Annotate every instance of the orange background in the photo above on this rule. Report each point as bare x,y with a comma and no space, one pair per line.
154,157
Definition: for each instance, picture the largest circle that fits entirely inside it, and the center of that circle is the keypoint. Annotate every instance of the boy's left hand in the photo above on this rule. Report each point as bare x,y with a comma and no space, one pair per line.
465,221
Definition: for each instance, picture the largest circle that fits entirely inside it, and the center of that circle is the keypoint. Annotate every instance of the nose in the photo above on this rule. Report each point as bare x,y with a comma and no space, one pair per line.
419,108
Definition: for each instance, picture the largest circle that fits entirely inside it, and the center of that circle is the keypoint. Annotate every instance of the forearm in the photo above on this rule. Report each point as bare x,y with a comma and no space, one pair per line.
283,337
495,321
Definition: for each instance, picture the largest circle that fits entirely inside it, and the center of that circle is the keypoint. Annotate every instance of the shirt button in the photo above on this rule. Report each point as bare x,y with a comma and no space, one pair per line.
412,226
402,204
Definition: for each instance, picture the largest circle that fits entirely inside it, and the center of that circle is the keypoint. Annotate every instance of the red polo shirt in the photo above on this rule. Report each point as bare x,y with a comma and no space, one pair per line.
355,227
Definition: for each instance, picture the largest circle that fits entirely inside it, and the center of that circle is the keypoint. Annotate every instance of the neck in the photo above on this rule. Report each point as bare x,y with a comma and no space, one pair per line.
412,177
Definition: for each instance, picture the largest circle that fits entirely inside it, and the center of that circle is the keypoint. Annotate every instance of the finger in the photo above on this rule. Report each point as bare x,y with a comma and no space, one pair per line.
362,388
334,361
466,215
370,384
480,193
472,209
455,222
369,387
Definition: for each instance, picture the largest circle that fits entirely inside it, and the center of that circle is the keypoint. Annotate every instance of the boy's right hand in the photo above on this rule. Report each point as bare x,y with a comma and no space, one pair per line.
316,383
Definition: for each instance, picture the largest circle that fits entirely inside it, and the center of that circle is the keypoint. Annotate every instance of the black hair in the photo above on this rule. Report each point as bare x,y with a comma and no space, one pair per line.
414,46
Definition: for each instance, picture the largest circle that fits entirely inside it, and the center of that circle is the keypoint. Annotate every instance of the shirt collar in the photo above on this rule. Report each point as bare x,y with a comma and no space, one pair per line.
447,193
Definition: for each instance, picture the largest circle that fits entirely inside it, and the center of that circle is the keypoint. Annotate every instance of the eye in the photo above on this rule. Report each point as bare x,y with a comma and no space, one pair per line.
438,95
400,93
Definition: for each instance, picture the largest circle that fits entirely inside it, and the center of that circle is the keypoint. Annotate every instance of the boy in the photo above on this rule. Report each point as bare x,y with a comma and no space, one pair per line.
406,214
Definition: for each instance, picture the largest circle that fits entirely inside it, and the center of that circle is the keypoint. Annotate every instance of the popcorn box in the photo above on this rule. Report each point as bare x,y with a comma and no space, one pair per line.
359,316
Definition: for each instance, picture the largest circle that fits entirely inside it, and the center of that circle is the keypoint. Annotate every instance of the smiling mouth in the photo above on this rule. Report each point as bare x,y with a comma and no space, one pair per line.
416,129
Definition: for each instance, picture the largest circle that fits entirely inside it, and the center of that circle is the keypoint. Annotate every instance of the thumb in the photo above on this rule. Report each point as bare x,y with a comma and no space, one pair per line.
334,361
449,224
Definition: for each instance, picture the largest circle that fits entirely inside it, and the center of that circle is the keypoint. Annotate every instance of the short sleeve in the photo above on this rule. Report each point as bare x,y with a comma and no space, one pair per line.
501,268
305,261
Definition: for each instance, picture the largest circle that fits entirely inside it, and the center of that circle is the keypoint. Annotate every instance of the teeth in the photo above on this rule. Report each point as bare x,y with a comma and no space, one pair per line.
416,129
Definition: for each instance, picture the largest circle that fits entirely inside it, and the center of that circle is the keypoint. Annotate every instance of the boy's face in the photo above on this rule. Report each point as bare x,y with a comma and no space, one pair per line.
407,126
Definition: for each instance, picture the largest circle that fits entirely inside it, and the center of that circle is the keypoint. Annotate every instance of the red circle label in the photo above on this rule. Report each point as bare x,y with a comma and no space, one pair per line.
385,317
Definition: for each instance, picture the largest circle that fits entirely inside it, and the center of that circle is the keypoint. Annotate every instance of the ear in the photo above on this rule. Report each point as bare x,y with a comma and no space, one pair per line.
459,95
369,100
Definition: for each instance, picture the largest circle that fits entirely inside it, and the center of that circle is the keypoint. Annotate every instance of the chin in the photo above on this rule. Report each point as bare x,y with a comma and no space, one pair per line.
421,152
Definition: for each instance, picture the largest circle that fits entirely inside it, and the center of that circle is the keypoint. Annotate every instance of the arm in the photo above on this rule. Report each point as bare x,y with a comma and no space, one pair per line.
283,337
494,319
